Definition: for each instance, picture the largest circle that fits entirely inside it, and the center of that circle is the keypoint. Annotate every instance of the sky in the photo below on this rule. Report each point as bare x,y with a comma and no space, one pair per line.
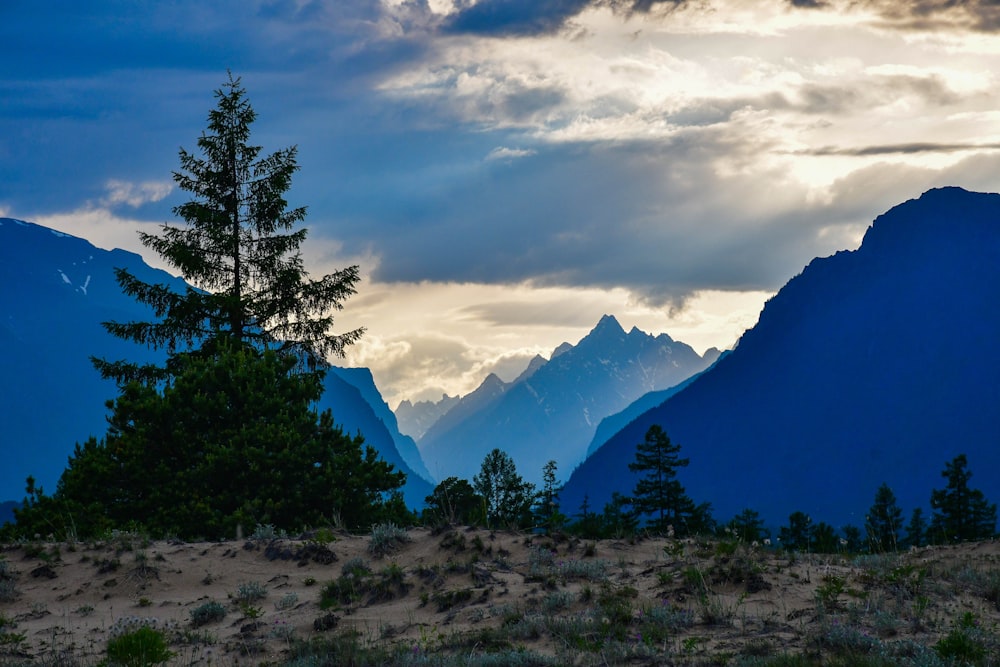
505,172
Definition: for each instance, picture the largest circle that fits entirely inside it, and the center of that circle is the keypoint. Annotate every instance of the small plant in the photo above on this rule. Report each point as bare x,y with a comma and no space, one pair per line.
828,593
11,641
324,536
349,587
250,612
309,581
266,532
963,644
386,538
209,612
287,601
250,591
139,648
445,600
145,602
8,583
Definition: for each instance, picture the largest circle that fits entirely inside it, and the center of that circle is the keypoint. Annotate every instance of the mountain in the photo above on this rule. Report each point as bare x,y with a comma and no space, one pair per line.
418,418
55,290
415,418
874,365
611,424
551,411
362,379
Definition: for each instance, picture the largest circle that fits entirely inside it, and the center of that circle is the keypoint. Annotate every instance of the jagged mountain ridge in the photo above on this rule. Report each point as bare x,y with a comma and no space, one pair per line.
551,412
55,290
611,424
415,418
874,365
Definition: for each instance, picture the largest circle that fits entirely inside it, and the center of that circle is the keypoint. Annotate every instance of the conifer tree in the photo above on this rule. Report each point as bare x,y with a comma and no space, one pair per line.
658,494
960,513
223,433
884,521
619,518
916,529
230,441
239,251
798,534
747,527
547,514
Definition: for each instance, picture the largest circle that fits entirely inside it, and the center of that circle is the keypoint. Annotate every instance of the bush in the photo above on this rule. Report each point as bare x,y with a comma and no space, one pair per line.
250,591
385,538
139,648
209,612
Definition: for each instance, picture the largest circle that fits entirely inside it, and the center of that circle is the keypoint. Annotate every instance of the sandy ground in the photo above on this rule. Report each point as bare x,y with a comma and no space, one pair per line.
59,599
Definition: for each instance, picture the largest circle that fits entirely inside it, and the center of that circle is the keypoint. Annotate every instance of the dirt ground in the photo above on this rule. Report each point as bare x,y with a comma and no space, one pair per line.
721,598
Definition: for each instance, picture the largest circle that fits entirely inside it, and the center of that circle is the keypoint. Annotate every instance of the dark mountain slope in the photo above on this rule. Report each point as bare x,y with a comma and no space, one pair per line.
55,290
877,365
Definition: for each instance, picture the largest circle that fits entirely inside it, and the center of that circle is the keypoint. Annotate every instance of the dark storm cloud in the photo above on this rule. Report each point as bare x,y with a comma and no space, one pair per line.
536,17
631,214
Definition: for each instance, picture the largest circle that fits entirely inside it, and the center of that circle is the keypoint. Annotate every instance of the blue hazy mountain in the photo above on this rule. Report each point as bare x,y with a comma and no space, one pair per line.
55,290
416,418
874,365
362,379
552,410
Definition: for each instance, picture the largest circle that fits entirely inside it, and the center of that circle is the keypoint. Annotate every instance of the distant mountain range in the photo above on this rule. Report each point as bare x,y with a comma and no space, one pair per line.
871,366
552,410
55,290
415,418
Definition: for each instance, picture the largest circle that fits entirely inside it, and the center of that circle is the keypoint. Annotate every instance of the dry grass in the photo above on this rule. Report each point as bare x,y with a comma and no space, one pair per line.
477,597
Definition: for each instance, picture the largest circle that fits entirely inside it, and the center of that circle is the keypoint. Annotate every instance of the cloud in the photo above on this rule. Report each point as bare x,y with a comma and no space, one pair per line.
135,194
532,17
509,154
904,149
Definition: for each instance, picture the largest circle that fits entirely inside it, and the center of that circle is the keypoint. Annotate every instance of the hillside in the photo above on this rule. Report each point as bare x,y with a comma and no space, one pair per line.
871,366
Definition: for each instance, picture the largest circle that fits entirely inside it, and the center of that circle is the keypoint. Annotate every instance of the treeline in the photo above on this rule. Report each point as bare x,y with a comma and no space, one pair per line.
659,505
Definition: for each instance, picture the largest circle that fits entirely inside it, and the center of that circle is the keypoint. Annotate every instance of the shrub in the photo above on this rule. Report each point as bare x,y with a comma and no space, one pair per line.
8,585
139,648
207,613
250,591
386,537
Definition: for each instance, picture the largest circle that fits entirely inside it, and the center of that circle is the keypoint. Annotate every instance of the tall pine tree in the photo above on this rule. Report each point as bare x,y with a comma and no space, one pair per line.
223,434
239,251
884,521
657,494
960,513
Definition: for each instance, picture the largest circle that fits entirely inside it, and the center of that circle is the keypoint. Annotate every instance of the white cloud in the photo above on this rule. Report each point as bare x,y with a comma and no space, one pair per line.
135,194
503,153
